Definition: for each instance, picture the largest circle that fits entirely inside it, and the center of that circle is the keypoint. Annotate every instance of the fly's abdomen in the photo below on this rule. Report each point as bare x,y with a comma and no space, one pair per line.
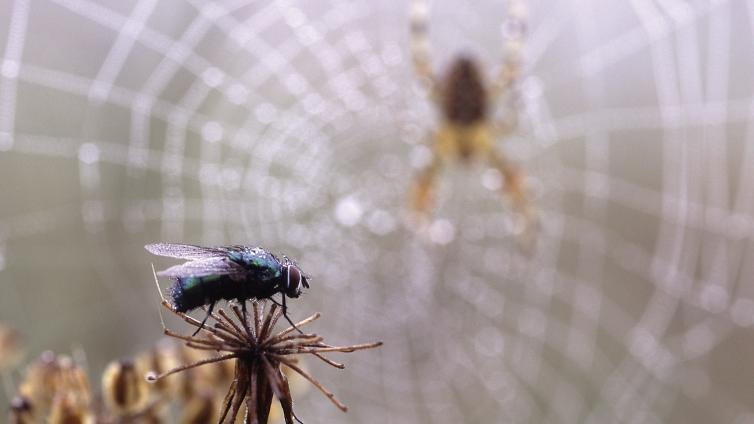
188,293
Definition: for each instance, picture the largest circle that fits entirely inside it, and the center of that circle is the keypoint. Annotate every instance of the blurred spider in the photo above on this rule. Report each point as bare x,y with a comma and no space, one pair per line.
467,130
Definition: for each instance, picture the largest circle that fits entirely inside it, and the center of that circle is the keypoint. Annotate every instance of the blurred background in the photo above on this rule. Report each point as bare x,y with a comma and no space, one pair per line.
294,126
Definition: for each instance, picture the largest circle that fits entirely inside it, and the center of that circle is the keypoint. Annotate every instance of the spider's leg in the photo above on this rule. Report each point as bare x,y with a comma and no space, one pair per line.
420,46
514,36
514,189
209,312
423,189
514,178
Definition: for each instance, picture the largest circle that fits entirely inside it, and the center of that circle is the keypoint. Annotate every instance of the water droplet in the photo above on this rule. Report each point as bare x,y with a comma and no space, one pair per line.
742,312
212,132
695,383
421,156
698,340
237,94
2,256
381,222
241,35
294,17
9,69
442,231
492,179
643,344
265,113
213,77
714,298
531,87
489,342
348,211
532,323
89,153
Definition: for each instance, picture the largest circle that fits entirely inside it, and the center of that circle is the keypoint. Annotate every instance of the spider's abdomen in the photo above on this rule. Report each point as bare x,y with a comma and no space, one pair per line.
464,99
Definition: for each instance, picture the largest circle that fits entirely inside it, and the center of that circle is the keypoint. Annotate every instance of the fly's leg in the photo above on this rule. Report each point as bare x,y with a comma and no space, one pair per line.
209,312
284,307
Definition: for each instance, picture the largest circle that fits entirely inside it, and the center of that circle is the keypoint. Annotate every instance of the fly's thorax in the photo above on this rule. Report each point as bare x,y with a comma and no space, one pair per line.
260,264
464,96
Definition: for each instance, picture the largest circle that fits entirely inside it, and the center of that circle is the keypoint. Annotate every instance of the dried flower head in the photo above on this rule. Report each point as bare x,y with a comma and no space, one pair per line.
124,391
258,353
54,390
54,387
21,411
67,408
11,347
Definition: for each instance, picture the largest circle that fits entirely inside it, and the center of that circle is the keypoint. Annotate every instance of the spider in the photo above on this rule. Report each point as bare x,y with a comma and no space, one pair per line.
467,130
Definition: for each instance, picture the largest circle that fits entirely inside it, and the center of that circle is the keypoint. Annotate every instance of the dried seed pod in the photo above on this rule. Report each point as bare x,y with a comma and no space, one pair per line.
40,381
201,408
74,381
124,390
55,384
67,408
21,411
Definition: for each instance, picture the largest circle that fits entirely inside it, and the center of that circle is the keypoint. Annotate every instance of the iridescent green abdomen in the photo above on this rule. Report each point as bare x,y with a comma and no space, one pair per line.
191,292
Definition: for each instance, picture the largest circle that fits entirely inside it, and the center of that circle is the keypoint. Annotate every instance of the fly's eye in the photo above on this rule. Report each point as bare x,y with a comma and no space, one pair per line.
294,278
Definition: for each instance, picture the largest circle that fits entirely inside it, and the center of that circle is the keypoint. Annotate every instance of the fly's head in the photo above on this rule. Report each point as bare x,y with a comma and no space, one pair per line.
293,280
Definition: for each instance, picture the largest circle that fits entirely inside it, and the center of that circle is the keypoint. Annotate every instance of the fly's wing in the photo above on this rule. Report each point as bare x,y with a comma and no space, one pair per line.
185,251
204,268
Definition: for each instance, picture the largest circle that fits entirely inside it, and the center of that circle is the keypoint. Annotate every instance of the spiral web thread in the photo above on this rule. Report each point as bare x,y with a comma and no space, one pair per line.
295,125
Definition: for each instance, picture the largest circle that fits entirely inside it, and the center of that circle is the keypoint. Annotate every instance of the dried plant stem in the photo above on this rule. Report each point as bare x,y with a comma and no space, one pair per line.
316,383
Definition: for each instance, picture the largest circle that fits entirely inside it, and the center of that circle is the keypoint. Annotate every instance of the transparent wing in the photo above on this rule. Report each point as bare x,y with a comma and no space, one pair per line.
203,268
185,251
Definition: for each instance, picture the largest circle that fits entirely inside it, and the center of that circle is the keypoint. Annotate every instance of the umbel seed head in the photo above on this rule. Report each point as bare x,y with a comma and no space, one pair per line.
258,354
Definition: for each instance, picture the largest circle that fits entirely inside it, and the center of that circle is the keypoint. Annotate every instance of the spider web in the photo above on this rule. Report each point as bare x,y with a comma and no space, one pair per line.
293,126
